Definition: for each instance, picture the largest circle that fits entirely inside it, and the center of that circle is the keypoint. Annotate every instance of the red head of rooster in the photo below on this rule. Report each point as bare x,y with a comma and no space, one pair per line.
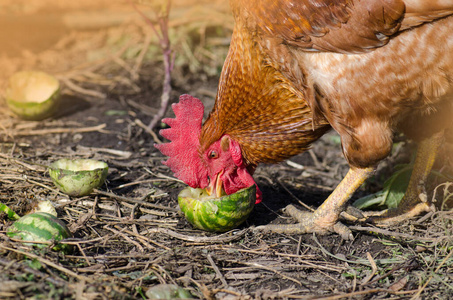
220,168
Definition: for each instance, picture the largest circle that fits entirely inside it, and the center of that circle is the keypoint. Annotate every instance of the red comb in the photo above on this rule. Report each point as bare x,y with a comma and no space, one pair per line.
184,159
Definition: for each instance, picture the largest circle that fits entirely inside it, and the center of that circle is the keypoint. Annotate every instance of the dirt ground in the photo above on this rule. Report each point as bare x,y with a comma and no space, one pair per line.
129,235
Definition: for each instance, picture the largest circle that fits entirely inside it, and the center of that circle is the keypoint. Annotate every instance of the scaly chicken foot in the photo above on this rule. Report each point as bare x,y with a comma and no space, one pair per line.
415,200
309,224
325,218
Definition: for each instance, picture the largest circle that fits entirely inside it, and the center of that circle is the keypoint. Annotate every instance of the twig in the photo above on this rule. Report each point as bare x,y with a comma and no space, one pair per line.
144,240
324,250
223,238
44,186
294,196
120,233
164,42
139,182
29,165
256,265
26,179
139,201
217,271
302,261
49,263
160,175
396,234
71,85
417,295
37,274
146,210
141,56
373,269
148,129
120,153
60,130
359,293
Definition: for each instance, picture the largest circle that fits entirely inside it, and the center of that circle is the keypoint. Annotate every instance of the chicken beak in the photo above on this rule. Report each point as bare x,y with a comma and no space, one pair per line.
215,187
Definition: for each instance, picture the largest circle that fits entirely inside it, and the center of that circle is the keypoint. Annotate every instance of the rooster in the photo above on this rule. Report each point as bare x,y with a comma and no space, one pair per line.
294,70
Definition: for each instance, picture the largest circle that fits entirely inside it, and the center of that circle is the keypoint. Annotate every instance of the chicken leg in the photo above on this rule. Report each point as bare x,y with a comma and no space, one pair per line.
415,200
325,218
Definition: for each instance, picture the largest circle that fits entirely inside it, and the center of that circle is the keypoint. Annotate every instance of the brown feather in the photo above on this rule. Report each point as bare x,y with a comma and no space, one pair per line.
278,93
258,107
340,26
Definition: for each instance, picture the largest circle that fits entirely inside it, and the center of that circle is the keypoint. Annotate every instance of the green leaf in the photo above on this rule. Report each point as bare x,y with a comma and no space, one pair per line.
114,112
34,264
392,192
372,200
394,189
139,290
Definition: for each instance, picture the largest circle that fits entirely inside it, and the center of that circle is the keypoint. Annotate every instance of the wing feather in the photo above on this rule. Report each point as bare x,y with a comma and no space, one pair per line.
345,26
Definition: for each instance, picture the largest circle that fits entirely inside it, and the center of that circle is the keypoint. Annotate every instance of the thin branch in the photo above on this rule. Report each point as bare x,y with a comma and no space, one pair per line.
168,57
222,238
49,263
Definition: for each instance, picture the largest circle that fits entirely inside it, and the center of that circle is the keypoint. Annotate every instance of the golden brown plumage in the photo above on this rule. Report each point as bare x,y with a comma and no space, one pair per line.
275,89
366,68
259,107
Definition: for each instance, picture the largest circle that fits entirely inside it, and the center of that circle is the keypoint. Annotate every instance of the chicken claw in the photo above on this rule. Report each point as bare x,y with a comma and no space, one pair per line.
415,200
325,219
307,224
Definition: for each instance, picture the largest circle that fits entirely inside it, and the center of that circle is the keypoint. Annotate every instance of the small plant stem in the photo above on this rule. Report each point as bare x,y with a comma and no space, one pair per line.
165,45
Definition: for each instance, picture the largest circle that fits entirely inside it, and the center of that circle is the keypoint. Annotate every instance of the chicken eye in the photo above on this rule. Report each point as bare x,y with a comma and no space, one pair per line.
213,154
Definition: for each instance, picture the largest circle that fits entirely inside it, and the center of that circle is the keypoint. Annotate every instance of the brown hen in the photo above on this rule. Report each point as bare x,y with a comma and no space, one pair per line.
295,69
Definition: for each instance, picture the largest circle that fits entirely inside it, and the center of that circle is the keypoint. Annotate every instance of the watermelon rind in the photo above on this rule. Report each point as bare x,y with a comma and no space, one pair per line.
9,212
216,214
33,95
78,177
40,227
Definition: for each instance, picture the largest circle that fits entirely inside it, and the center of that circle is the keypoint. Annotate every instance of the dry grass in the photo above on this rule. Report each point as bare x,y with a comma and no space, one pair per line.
129,236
